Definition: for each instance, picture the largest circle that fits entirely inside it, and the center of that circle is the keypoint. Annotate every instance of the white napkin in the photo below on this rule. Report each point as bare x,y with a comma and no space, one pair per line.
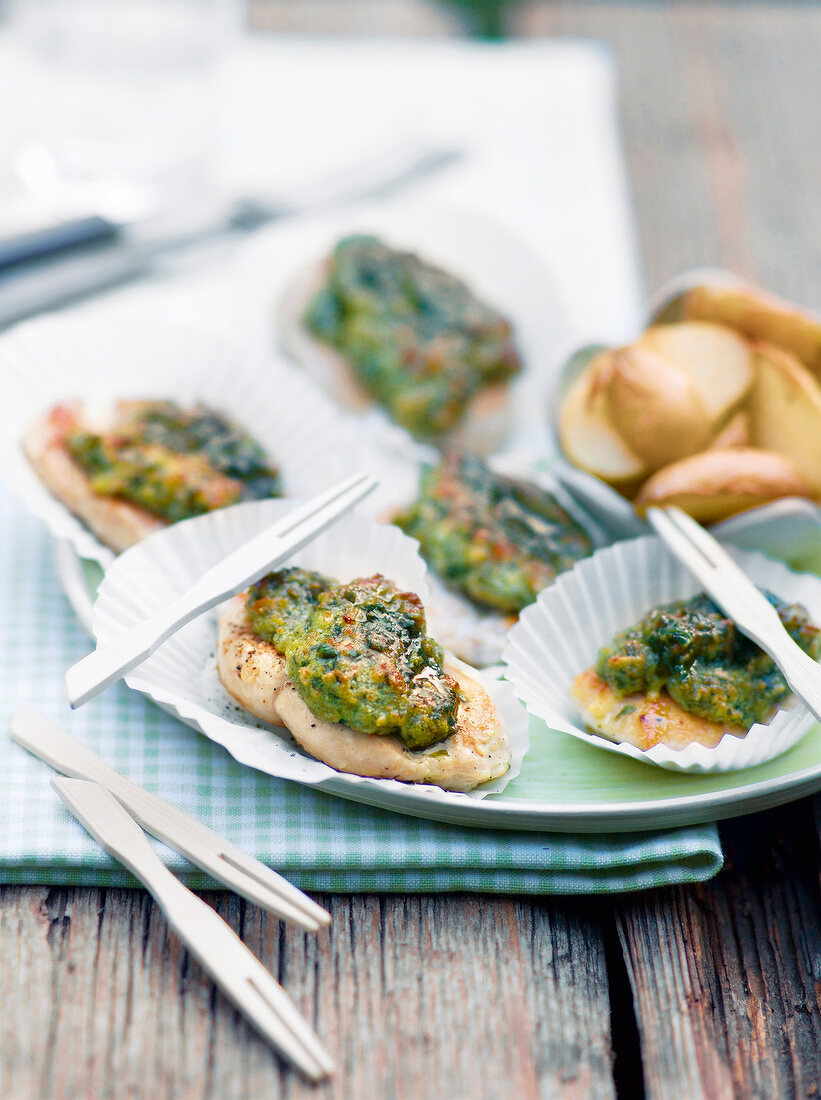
537,122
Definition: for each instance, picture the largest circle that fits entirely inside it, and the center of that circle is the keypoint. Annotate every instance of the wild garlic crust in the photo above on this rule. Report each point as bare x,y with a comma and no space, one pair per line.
253,672
488,417
641,720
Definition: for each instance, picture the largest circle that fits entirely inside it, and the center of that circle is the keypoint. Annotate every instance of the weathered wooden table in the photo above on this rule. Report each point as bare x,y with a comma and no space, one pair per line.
712,991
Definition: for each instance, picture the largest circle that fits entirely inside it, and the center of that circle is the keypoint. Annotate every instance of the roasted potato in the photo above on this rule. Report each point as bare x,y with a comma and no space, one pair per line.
714,485
785,410
717,360
588,438
655,407
659,399
714,407
735,433
758,316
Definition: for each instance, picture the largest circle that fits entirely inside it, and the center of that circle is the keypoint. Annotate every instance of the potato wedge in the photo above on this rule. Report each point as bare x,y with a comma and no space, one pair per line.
655,407
785,409
735,433
587,436
759,316
716,484
717,360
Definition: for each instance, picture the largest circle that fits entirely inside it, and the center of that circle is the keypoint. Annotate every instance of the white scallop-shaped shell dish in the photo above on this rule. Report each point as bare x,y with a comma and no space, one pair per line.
559,636
52,360
181,676
496,264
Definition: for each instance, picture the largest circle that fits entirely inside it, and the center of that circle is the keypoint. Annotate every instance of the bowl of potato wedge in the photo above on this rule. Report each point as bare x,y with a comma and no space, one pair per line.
714,407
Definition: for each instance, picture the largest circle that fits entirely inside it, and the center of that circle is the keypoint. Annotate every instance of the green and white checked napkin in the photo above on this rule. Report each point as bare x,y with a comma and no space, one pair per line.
318,841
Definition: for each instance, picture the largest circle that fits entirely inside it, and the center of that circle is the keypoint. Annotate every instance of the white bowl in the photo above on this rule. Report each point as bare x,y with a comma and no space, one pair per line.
788,529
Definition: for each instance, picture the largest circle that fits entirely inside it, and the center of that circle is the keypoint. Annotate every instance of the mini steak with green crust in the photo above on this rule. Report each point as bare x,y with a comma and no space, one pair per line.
146,464
351,671
685,674
498,540
377,324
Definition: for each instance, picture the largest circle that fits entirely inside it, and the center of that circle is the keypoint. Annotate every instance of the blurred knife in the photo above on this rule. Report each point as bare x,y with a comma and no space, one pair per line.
56,240
96,253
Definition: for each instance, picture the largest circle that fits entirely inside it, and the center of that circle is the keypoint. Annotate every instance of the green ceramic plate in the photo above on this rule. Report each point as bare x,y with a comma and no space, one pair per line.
565,785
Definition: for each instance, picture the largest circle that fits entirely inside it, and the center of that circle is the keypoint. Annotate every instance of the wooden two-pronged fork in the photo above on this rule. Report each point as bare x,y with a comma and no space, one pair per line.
220,951
112,808
205,848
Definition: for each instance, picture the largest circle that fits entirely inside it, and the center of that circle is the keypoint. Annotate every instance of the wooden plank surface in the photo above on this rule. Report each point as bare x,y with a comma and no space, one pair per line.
714,991
726,975
720,113
414,997
720,109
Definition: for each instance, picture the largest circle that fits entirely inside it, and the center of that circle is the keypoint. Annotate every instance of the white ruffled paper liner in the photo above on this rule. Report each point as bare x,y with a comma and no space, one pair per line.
181,675
56,359
559,636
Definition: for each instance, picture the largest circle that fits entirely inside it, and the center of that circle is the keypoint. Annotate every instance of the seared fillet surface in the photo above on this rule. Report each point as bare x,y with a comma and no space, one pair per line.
641,720
253,672
117,523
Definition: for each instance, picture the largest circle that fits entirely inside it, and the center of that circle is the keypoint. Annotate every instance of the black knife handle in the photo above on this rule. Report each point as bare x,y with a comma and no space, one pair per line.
55,240
48,286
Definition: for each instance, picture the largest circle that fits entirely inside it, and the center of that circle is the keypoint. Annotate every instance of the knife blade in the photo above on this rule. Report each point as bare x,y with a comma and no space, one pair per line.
97,253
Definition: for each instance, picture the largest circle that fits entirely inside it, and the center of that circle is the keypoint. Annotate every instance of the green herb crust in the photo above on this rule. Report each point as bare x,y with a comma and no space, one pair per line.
706,665
415,336
498,540
358,653
175,463
279,605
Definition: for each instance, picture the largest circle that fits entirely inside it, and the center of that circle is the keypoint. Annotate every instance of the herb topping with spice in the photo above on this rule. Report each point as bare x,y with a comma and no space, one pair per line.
358,653
693,651
175,463
498,540
415,336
